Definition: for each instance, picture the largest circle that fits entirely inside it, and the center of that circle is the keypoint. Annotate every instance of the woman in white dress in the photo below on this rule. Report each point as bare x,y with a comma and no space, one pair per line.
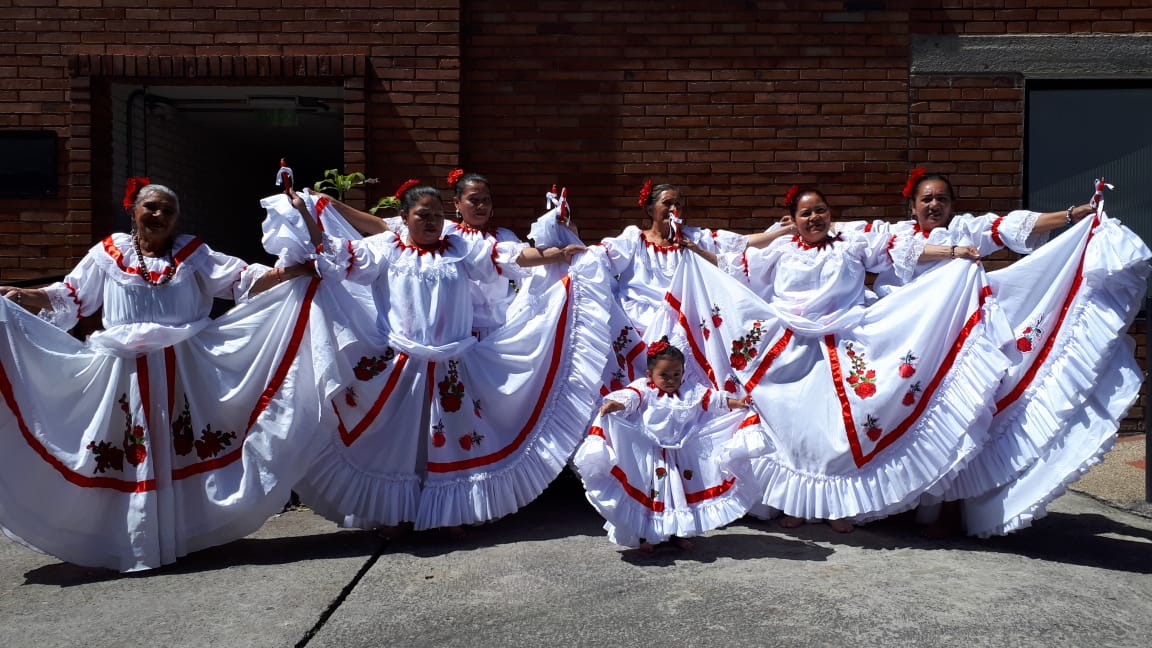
472,199
436,429
867,408
642,264
166,432
1065,311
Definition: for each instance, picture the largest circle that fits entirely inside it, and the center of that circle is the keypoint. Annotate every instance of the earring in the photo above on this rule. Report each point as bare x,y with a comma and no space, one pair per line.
459,216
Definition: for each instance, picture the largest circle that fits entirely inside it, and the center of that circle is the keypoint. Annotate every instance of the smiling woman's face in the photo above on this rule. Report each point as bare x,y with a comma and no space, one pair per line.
813,218
155,215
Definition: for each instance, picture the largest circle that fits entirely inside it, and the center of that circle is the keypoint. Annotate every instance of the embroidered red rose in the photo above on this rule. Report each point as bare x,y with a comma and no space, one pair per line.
661,472
874,433
717,321
738,361
362,373
350,397
1024,345
907,370
853,379
706,333
909,399
730,386
687,474
616,385
135,454
438,440
476,408
865,389
737,345
450,402
870,374
466,442
752,352
182,442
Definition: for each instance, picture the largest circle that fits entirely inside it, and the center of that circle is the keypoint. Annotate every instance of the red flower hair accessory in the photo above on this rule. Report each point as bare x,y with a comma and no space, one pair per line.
790,197
913,179
132,188
405,187
656,348
645,191
454,176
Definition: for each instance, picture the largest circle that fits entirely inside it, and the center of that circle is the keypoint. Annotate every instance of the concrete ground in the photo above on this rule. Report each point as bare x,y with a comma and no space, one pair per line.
547,576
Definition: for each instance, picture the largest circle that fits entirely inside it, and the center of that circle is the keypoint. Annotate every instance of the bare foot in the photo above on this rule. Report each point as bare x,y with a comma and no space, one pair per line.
791,522
647,547
841,526
683,544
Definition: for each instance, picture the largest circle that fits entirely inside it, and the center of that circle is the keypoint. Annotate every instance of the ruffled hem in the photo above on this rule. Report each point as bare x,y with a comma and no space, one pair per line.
925,459
1057,394
1039,508
628,522
1083,445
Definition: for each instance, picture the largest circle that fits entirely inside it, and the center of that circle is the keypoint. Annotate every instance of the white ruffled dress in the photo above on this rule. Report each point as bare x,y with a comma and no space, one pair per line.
434,427
1062,316
167,432
867,408
669,464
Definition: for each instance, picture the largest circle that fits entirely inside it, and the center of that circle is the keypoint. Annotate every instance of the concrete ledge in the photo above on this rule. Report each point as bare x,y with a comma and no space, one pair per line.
1085,56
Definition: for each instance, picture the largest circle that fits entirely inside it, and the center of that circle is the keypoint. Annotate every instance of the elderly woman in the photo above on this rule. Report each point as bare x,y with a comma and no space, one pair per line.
1062,311
436,429
867,408
166,432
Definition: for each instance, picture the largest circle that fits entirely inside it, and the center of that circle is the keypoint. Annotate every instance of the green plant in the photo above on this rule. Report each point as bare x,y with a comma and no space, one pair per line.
389,202
341,184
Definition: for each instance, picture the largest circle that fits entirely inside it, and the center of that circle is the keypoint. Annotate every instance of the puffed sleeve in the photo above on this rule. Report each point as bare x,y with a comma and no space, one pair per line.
874,247
621,250
80,294
1013,231
754,267
717,241
907,244
227,277
631,397
508,249
357,260
714,401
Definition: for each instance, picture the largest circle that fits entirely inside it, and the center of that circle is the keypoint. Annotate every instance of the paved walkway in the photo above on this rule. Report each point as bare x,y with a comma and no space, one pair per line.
547,576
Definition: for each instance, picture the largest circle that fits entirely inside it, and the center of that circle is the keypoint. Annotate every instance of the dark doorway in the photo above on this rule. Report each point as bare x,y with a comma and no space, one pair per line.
219,147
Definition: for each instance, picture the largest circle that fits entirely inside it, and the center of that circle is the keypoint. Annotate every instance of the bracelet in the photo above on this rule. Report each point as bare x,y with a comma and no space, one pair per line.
1068,216
952,253
19,297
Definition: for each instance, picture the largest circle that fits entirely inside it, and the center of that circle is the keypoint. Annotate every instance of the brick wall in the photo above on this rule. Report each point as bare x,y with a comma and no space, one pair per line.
734,100
398,66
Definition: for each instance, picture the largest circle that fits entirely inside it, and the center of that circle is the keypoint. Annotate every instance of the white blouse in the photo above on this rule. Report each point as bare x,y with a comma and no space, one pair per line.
422,297
643,270
668,418
815,289
139,316
986,233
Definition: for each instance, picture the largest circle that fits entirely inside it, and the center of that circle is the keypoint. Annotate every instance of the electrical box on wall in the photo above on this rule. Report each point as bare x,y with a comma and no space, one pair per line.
28,164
